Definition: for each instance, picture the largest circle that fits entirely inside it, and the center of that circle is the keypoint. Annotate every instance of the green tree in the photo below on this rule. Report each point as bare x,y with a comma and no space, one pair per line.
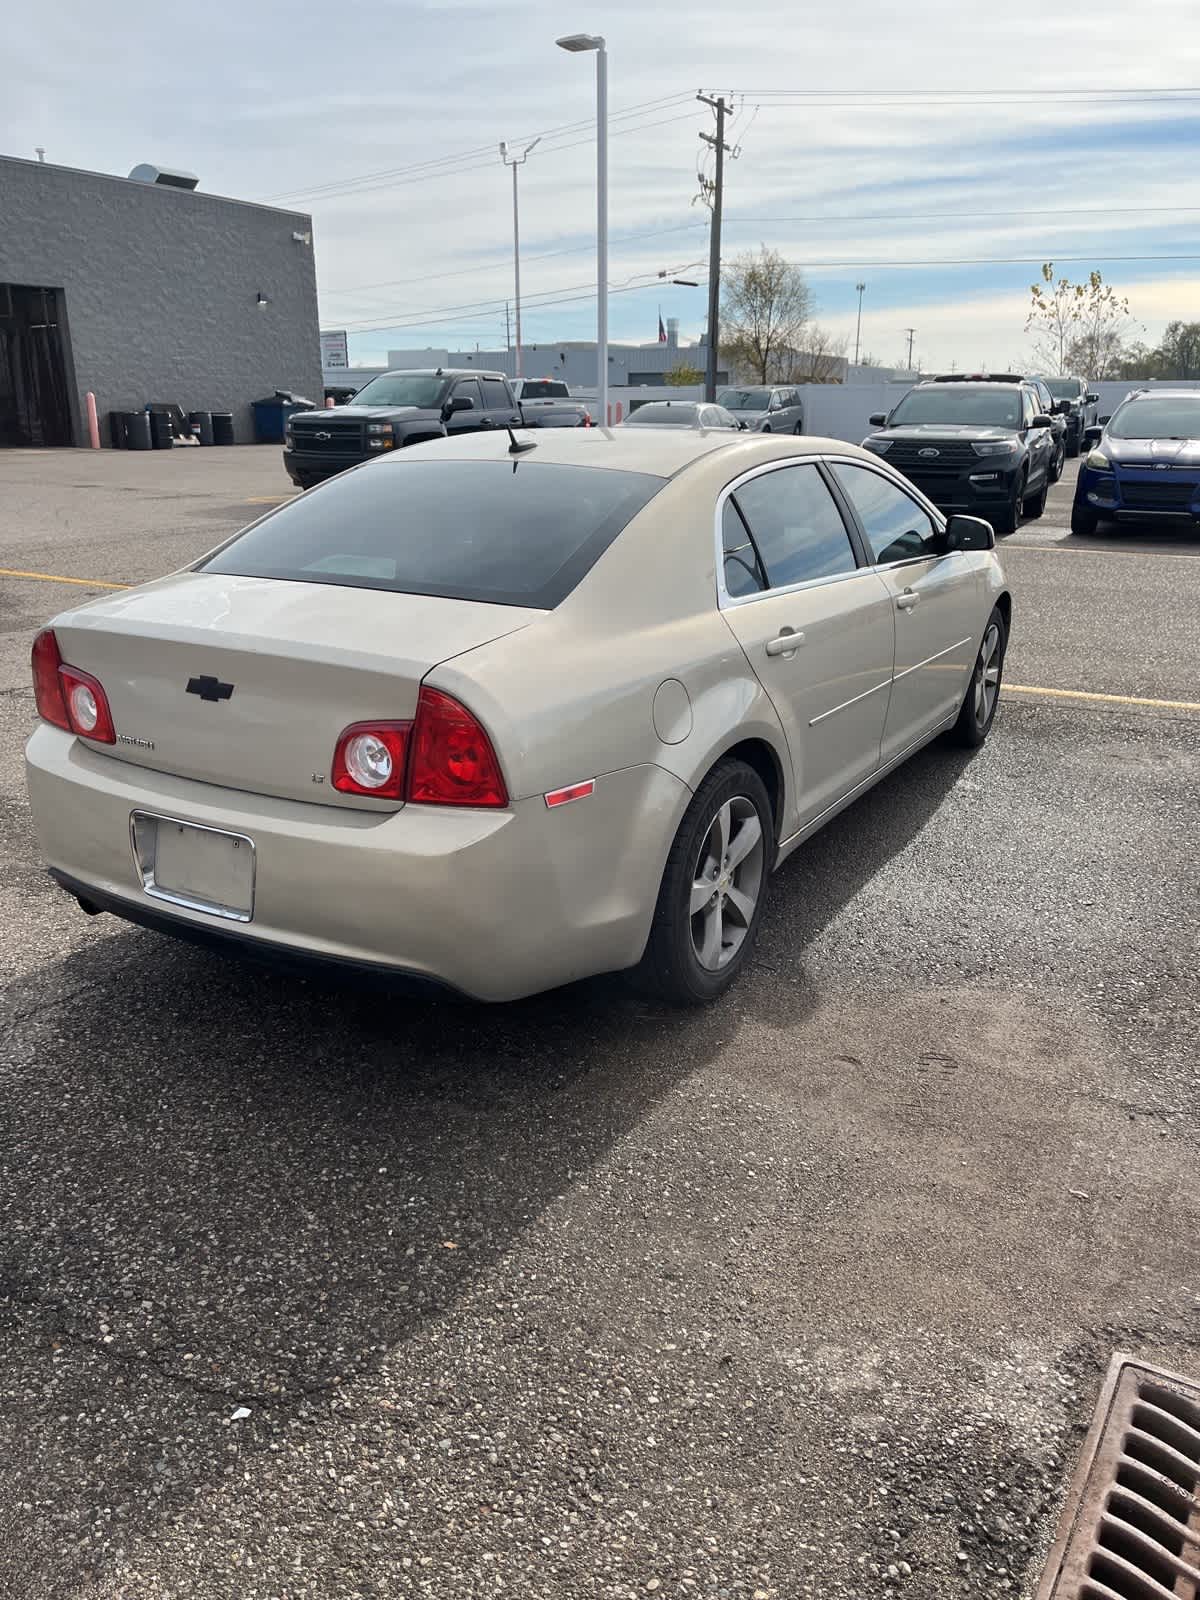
683,376
1179,353
1077,327
765,305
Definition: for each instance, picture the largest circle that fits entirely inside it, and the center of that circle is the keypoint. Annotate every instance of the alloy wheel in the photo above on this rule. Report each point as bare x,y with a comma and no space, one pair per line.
726,883
987,676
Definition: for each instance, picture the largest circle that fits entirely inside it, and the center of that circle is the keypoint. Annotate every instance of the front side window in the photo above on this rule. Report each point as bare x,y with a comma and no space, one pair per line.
468,389
796,526
896,527
519,532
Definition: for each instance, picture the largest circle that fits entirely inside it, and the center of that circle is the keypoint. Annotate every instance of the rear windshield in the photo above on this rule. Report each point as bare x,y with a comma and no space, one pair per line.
515,533
660,415
1157,418
948,403
544,389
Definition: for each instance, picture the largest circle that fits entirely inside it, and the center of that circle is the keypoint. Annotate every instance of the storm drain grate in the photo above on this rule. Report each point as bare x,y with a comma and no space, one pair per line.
1130,1529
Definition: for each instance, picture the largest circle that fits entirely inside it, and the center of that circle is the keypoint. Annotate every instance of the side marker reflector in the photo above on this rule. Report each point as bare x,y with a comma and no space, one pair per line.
573,791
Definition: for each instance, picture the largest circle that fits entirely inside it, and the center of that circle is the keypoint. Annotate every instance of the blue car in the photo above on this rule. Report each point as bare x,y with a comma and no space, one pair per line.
1144,463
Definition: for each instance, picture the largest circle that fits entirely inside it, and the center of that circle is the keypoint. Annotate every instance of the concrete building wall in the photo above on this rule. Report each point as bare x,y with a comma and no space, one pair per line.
160,288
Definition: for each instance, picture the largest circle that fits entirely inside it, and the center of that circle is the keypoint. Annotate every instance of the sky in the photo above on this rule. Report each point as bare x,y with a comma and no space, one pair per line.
936,151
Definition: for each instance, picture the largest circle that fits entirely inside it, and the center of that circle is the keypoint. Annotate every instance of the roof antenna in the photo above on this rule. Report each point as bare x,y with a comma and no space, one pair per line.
518,447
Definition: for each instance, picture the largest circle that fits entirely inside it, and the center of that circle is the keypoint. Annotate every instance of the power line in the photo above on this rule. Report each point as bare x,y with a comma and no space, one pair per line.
992,261
453,165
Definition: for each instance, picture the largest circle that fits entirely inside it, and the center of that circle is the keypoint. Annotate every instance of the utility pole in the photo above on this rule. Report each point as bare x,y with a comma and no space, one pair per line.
858,326
507,329
911,332
714,244
514,163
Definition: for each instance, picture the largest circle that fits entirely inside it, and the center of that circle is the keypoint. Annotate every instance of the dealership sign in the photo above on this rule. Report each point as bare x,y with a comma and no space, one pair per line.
333,349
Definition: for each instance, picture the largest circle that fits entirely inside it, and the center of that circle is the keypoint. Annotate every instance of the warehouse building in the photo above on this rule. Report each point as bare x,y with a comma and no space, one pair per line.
145,292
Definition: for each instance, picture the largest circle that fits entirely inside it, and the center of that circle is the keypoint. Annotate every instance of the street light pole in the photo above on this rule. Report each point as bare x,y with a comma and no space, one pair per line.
858,328
514,163
593,41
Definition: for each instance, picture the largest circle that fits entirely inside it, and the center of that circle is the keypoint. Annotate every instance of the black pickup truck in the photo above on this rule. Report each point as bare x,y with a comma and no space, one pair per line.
398,409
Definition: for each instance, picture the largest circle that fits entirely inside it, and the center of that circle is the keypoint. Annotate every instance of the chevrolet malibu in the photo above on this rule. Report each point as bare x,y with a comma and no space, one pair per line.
502,715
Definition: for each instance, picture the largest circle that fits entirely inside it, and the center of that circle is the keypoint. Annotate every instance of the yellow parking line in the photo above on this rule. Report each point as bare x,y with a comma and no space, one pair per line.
268,499
1073,550
1107,699
57,577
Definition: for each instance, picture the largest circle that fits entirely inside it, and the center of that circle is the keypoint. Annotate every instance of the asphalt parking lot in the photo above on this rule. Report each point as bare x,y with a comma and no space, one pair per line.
312,1292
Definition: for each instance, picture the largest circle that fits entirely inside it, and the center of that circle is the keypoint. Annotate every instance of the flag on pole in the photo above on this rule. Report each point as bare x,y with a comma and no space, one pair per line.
662,332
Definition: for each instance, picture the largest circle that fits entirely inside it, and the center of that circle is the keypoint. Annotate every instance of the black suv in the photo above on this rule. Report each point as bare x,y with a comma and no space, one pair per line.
1077,405
393,410
981,447
1046,404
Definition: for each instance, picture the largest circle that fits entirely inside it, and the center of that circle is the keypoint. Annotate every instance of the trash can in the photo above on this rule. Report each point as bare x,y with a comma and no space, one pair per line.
118,429
271,414
137,430
202,425
162,434
222,427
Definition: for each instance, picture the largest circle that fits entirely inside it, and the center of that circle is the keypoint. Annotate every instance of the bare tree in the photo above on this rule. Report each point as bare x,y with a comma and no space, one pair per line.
822,360
1077,327
766,304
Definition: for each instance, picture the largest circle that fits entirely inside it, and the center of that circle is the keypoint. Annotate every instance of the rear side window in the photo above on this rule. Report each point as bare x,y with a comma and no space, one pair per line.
519,533
544,389
795,525
495,395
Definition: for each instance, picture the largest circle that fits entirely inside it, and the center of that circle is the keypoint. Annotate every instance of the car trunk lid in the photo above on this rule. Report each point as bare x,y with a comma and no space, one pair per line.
247,682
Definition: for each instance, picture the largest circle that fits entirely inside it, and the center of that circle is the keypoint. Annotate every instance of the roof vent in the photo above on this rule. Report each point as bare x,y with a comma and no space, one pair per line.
147,172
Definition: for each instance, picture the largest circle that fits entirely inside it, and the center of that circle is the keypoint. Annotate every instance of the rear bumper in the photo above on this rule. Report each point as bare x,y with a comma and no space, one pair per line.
494,904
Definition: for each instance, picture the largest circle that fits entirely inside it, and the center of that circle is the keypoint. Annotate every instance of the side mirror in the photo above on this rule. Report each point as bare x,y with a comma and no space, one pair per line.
1092,435
1103,419
743,427
878,419
1042,421
1092,399
968,533
460,402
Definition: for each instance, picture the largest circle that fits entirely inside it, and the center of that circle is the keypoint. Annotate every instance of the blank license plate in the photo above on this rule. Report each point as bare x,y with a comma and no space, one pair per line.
200,868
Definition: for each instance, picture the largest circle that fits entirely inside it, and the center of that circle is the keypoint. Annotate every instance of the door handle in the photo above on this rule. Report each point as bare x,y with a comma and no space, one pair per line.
786,644
485,422
907,600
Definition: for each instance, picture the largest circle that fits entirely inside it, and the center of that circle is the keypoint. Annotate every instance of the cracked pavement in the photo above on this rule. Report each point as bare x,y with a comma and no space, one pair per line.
308,1291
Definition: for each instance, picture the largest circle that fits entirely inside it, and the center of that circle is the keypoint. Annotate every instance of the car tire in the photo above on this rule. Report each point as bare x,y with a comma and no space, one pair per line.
1084,521
766,428
694,955
1073,444
1008,517
978,710
1035,506
305,480
1059,462
798,429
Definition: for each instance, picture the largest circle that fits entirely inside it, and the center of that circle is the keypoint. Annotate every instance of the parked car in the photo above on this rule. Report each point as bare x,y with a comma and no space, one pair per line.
978,446
1077,404
547,403
765,408
393,411
1143,464
505,715
1049,407
681,414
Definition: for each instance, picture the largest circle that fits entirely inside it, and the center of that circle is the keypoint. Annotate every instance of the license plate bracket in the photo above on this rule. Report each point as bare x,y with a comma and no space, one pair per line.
193,866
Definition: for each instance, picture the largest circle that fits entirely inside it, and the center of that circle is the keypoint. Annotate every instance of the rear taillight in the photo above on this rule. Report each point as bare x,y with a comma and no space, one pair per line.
442,758
452,762
371,759
66,696
47,685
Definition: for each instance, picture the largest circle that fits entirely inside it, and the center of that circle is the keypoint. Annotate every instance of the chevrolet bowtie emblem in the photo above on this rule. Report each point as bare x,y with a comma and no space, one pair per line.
210,688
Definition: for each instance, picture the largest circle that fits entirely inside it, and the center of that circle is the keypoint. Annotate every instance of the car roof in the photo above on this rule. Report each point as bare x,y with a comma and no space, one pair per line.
441,372
661,451
1162,394
981,377
970,383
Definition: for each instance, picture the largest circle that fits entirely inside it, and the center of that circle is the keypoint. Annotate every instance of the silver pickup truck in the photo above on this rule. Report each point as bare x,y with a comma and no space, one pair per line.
547,403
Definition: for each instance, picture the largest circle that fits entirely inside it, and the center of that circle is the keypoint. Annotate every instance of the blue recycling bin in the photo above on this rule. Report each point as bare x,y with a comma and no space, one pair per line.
271,414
